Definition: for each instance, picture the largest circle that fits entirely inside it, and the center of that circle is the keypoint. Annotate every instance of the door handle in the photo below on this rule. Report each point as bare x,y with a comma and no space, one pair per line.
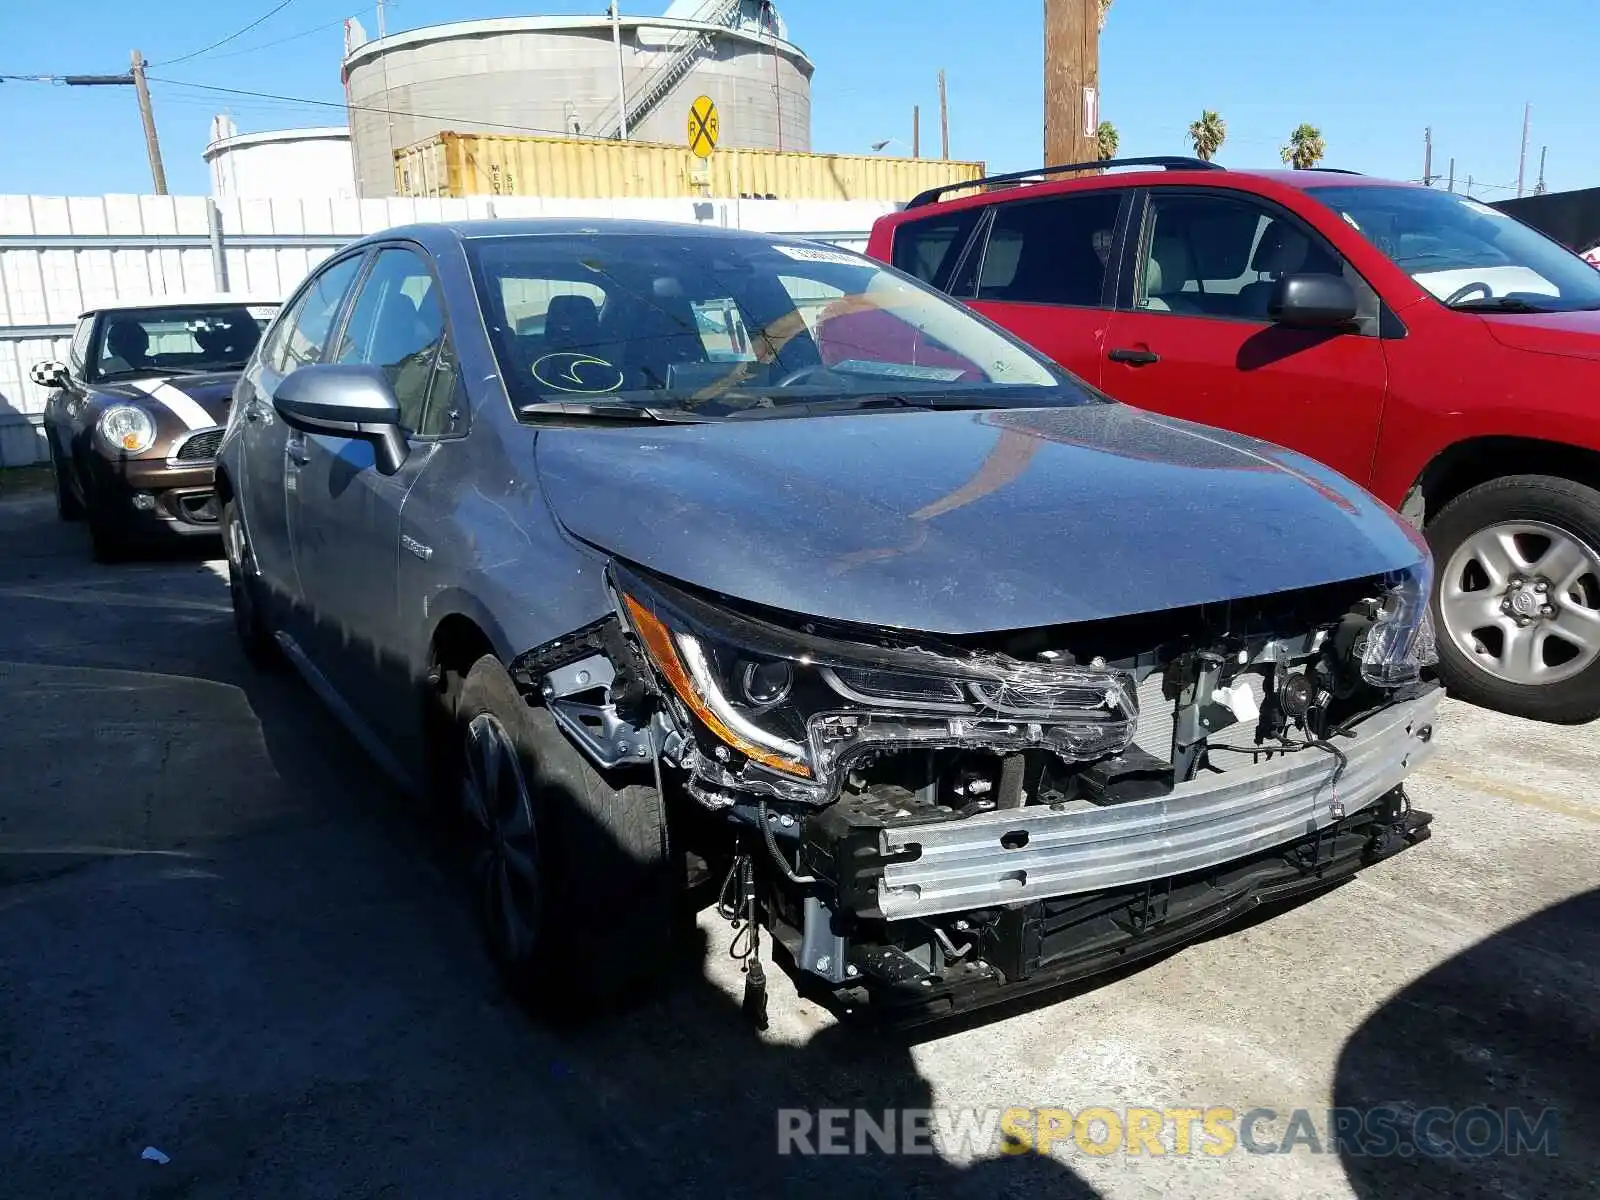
1134,358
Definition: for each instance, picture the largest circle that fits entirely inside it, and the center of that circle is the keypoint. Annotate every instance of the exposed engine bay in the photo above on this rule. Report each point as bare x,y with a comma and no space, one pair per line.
927,823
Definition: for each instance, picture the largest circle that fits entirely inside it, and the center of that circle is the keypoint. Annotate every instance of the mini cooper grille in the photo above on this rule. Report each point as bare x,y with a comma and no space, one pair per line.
200,447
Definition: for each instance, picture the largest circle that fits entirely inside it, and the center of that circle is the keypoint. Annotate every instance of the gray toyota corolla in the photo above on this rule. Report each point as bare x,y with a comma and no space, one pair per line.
667,554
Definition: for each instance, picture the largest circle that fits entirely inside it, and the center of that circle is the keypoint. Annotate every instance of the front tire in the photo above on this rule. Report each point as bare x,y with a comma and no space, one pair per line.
68,506
108,543
1517,603
249,621
577,887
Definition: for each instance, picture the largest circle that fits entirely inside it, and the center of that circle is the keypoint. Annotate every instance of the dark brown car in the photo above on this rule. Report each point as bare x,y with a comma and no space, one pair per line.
138,412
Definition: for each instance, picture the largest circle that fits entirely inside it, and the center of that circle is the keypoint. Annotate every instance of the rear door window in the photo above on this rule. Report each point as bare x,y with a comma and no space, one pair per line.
931,248
1051,251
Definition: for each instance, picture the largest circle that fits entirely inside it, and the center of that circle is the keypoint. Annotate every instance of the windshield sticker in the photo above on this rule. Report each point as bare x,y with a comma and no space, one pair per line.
1482,209
584,373
262,312
859,366
817,255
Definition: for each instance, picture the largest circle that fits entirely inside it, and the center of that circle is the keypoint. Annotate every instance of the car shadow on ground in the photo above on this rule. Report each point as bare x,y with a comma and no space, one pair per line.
247,951
1477,1049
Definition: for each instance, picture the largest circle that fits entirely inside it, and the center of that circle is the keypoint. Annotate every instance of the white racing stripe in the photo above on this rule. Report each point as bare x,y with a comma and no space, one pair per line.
183,406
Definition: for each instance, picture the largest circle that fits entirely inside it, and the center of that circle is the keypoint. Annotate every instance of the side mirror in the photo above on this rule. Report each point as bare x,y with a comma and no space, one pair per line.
50,374
346,401
1313,302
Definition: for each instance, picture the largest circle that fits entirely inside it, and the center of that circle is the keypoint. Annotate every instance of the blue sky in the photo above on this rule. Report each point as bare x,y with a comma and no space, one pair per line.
1370,73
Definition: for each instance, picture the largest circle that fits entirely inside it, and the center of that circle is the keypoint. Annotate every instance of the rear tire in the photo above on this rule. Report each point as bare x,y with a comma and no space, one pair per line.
1544,531
249,622
578,889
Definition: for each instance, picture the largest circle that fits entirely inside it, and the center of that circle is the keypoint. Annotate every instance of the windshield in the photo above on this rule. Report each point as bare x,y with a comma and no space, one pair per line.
1464,252
183,339
719,325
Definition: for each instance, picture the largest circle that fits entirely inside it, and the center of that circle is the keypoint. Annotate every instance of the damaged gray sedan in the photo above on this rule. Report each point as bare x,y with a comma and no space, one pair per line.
662,554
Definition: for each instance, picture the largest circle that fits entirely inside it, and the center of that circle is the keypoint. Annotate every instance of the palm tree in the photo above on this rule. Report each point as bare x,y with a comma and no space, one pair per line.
1305,148
1105,7
1208,134
1106,139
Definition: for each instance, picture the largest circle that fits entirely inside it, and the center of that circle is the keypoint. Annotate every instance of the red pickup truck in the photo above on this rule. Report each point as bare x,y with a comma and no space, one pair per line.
1431,348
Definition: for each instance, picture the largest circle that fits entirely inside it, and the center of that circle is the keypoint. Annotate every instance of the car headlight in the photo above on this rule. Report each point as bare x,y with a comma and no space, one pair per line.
767,698
1401,640
127,428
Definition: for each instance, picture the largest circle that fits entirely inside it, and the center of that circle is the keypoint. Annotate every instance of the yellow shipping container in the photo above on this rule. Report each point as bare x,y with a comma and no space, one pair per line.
475,164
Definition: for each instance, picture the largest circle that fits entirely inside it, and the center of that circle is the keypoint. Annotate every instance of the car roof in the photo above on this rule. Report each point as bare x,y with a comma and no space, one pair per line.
431,232
1209,177
182,300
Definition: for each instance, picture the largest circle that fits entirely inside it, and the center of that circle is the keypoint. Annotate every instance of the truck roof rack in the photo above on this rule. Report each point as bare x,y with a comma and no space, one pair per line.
1172,162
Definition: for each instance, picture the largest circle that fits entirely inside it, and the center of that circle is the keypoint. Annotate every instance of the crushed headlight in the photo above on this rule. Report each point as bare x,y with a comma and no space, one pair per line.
1400,642
801,705
128,428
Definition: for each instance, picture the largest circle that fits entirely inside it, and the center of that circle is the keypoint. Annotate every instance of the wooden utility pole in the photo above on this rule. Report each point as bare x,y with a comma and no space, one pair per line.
152,146
1071,80
916,131
1452,184
1427,157
944,121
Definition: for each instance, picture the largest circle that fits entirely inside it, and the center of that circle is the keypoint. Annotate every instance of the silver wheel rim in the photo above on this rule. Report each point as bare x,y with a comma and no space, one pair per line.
504,841
1521,600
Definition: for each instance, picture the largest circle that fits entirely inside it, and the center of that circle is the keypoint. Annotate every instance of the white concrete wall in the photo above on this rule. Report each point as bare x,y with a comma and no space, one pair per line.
62,254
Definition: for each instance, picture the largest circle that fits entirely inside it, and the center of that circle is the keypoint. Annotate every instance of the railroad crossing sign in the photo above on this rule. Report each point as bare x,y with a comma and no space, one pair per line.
703,127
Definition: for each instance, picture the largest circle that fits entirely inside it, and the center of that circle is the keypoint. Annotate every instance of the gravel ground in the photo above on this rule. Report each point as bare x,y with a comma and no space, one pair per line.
222,936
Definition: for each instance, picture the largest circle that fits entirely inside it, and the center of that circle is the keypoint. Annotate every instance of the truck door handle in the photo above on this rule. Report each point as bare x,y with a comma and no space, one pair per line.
1134,358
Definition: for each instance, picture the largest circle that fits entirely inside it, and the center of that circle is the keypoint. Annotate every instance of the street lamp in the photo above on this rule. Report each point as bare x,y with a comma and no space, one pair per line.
878,147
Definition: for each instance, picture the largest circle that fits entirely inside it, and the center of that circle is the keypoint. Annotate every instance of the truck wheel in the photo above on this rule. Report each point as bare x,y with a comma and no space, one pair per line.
68,506
1517,600
249,622
576,885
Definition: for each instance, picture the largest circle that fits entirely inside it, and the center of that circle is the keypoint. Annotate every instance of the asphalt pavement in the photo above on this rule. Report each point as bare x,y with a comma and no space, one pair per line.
224,938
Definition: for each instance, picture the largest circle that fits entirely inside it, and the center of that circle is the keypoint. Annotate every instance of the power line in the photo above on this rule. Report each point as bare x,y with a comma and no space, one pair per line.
293,37
392,112
277,8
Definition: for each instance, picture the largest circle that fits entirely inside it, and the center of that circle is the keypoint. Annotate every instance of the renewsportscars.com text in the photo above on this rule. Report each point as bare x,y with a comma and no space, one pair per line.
1212,1131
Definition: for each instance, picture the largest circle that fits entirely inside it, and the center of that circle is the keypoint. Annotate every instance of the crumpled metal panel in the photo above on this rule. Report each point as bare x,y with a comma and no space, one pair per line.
1204,823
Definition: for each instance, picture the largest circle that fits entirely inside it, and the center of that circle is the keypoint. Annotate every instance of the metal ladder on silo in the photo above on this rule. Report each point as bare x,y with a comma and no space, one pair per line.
660,82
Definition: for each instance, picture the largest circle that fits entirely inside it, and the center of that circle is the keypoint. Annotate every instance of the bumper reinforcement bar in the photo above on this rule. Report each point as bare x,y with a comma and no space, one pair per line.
1037,853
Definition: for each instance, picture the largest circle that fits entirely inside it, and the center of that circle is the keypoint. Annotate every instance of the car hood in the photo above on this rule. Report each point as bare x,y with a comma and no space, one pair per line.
968,522
181,402
1573,334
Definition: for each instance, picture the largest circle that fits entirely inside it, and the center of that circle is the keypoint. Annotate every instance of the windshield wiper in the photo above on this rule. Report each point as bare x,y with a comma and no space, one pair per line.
857,403
586,411
1500,304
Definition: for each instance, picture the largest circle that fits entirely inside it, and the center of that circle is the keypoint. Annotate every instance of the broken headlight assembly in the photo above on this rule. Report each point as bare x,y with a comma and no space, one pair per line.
774,710
1399,642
